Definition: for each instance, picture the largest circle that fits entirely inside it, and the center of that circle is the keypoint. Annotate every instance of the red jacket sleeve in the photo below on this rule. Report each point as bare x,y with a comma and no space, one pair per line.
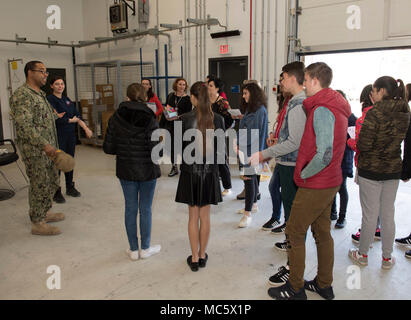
160,108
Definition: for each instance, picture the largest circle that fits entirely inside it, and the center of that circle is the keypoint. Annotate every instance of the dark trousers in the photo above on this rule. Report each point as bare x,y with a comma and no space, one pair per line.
275,193
225,175
251,191
343,192
288,188
67,143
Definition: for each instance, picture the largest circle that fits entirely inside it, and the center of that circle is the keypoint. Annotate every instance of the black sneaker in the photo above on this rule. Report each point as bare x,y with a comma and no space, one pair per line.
356,237
326,293
58,197
72,191
408,254
404,241
280,278
334,216
270,224
377,235
173,172
279,229
282,246
340,224
286,292
259,196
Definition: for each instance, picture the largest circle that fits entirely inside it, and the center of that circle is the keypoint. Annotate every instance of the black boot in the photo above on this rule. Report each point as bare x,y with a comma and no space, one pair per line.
72,191
58,197
341,221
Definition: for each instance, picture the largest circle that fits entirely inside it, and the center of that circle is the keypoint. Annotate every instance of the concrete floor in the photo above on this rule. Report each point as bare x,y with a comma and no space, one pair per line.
91,250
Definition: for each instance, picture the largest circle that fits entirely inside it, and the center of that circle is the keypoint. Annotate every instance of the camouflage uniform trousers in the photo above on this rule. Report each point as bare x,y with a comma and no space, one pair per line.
44,182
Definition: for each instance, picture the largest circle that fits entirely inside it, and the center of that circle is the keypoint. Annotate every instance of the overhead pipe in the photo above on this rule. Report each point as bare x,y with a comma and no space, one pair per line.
251,37
275,42
101,40
267,79
205,40
49,44
262,43
200,10
158,23
185,39
255,39
189,43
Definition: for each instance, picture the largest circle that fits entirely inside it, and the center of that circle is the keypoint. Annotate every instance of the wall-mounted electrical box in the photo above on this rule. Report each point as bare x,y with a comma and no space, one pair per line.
119,17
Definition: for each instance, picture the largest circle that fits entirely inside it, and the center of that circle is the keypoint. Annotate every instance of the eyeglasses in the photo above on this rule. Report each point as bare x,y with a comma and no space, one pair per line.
42,72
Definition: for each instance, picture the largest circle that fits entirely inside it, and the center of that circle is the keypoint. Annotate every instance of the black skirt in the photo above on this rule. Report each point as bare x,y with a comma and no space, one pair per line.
199,188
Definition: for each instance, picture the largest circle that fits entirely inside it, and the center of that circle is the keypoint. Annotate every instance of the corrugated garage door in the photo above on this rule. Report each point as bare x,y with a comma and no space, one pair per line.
332,25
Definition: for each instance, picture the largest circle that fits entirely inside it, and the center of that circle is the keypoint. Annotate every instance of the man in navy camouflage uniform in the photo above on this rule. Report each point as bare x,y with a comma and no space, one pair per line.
34,120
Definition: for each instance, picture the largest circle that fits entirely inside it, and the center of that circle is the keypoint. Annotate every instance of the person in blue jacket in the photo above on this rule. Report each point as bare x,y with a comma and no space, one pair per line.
252,137
66,130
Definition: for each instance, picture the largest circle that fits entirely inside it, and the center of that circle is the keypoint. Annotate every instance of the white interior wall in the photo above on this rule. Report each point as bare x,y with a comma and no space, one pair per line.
28,19
96,24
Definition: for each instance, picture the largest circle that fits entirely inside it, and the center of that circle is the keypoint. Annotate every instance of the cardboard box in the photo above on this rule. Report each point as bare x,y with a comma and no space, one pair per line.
106,93
104,88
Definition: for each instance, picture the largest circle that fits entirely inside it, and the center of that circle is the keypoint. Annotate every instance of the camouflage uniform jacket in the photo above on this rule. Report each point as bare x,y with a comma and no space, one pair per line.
34,120
379,144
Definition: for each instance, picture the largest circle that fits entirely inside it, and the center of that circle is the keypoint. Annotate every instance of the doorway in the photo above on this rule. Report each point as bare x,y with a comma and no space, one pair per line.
352,71
232,72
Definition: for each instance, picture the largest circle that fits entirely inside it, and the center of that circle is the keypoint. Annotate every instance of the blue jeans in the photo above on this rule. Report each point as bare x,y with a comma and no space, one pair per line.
274,188
138,195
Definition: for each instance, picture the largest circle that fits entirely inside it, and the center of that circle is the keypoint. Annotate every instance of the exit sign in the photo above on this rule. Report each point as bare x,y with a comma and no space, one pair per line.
224,49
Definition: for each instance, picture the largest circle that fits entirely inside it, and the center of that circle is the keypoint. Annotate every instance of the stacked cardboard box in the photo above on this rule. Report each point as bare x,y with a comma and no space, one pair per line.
86,104
107,95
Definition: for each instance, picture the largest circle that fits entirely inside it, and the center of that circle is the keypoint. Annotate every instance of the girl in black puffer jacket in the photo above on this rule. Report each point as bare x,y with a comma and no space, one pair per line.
128,137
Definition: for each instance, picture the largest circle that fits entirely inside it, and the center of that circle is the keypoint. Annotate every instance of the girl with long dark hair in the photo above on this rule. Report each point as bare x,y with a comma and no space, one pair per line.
199,186
151,97
380,166
255,118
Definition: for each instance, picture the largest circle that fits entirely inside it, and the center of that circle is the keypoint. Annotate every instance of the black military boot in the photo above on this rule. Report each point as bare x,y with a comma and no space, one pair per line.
72,191
58,197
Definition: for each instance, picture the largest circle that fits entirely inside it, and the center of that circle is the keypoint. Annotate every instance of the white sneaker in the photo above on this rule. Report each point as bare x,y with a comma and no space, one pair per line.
387,264
357,257
150,251
253,210
133,255
245,222
226,192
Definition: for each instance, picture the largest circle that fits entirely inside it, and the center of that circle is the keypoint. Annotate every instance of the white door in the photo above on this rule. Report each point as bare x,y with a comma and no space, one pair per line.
335,25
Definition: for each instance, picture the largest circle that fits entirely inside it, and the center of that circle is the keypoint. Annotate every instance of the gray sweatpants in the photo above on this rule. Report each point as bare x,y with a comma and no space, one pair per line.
377,199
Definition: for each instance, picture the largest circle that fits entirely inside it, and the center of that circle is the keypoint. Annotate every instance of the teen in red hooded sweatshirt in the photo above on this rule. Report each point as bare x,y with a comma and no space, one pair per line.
318,176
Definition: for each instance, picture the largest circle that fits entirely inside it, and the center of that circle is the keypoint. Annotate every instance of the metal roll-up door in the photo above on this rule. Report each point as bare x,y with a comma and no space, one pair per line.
338,26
